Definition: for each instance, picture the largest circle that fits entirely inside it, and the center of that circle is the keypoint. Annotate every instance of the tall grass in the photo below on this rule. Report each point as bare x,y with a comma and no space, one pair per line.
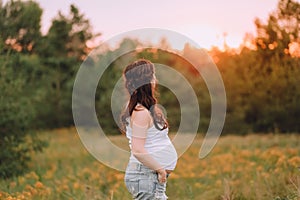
239,167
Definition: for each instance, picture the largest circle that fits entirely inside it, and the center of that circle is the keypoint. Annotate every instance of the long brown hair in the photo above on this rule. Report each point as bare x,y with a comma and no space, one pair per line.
139,77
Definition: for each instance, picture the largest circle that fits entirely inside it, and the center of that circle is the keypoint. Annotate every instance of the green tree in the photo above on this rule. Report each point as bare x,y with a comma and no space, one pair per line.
262,84
21,22
18,71
275,38
17,115
62,51
276,86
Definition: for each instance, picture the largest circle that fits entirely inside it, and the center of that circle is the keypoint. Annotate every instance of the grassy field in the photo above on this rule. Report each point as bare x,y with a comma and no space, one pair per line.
239,167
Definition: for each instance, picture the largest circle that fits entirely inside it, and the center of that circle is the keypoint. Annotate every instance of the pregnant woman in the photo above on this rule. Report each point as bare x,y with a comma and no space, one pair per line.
153,156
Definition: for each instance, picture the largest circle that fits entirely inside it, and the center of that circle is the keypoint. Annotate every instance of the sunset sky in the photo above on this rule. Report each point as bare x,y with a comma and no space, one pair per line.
202,21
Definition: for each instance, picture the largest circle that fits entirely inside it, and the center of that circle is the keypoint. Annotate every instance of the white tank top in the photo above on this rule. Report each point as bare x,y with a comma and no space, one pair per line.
158,145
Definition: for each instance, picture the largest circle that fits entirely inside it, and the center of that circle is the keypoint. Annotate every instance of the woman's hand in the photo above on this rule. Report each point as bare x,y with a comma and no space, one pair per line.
162,175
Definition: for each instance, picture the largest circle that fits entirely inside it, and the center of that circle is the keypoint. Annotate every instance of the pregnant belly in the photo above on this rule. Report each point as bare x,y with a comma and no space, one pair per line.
166,156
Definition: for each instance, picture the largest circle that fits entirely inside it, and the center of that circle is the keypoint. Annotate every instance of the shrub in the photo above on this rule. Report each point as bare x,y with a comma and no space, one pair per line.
17,142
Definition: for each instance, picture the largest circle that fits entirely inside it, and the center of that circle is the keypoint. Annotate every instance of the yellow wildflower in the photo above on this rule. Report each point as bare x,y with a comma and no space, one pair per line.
39,184
76,185
294,161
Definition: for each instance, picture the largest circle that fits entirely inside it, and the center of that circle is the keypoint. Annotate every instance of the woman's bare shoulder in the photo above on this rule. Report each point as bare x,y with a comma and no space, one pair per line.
141,111
141,115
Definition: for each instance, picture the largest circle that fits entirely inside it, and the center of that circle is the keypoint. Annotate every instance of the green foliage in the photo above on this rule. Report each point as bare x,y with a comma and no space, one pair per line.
282,29
21,22
261,97
17,113
62,50
262,85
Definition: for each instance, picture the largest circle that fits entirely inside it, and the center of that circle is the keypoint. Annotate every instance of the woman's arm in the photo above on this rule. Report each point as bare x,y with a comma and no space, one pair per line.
141,120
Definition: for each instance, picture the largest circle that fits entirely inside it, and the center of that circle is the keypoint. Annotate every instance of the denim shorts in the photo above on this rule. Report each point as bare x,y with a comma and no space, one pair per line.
142,182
